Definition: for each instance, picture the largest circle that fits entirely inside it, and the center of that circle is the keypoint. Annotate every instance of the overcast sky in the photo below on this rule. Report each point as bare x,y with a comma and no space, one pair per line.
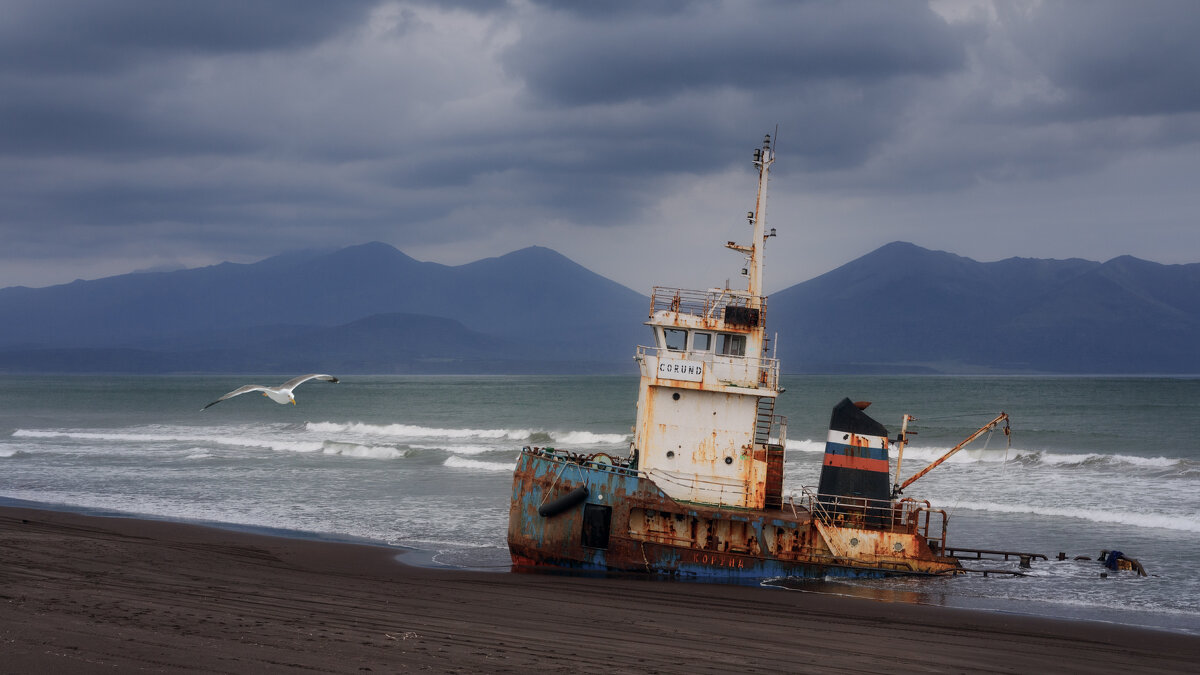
141,134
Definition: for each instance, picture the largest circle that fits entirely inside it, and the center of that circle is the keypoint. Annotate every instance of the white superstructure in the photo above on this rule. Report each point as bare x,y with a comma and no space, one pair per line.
706,430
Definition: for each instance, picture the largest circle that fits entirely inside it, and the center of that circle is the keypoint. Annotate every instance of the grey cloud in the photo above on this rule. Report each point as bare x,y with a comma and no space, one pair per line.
93,36
239,130
619,8
567,60
1113,58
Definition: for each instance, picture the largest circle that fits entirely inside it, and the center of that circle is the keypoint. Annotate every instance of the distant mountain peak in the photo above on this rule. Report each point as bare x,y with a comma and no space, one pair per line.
374,252
532,253
898,246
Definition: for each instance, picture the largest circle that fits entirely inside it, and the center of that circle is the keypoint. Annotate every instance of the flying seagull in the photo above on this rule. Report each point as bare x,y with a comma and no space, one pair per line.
281,394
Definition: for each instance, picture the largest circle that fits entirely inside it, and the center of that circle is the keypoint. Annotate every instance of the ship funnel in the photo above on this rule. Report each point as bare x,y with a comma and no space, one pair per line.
856,456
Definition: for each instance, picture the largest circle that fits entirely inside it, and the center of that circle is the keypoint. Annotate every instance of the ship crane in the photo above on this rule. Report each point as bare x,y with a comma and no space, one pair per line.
898,488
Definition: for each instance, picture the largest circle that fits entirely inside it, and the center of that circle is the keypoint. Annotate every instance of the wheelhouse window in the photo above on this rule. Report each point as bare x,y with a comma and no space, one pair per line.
701,342
675,339
731,345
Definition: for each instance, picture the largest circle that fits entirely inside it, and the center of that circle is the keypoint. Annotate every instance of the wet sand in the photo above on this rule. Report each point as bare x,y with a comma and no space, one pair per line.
89,594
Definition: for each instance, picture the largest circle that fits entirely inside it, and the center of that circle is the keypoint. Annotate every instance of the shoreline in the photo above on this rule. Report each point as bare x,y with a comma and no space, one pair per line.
94,593
426,558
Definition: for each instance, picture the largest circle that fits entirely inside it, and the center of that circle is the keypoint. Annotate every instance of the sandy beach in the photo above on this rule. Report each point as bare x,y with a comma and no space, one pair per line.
90,594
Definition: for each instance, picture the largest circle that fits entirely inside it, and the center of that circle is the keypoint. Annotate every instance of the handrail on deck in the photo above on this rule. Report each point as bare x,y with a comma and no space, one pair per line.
742,371
709,304
873,513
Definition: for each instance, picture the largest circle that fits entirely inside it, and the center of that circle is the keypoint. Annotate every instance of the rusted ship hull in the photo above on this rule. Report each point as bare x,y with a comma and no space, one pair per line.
625,523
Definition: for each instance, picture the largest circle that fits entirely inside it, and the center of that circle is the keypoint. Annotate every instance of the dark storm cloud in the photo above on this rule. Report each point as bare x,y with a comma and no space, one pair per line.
236,129
710,46
82,78
1055,89
58,37
1116,58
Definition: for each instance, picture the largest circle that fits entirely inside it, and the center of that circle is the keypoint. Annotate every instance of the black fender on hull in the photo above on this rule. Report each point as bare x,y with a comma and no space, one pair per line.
571,499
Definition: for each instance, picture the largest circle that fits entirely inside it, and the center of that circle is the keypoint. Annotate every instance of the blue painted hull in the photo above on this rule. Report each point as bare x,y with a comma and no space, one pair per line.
627,524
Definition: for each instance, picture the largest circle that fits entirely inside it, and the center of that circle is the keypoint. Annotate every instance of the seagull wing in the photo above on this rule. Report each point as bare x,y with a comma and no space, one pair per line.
297,381
237,392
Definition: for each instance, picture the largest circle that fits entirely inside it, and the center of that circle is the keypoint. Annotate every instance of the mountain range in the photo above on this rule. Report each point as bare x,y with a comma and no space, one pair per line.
908,308
373,309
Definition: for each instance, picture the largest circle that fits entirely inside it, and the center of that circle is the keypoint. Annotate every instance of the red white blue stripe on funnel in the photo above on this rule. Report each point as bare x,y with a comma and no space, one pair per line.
853,451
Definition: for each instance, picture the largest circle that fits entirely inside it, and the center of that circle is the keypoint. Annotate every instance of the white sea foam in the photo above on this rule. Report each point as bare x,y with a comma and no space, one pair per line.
462,449
234,441
5,452
100,436
976,455
587,438
805,445
463,463
363,451
414,431
1115,516
406,431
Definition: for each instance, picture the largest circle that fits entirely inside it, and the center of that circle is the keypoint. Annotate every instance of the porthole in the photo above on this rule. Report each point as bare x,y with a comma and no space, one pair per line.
729,460
675,396
670,454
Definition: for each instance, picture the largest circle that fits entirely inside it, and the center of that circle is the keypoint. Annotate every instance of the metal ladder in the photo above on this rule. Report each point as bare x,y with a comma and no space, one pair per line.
764,420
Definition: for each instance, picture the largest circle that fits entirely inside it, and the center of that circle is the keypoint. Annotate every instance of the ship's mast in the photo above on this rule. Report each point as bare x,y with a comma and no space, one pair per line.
763,159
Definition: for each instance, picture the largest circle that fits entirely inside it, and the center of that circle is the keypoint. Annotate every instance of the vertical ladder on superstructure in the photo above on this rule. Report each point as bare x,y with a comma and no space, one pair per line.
764,419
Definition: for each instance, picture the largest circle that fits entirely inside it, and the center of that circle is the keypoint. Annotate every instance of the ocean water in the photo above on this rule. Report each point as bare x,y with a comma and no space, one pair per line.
426,462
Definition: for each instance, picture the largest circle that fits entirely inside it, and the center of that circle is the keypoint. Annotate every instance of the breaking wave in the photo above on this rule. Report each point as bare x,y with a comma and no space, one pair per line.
463,463
411,431
198,442
976,455
1182,523
415,431
194,439
587,438
459,449
362,451
806,445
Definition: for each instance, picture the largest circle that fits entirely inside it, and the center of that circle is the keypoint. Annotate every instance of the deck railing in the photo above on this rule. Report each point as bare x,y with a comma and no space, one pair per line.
738,371
710,304
883,514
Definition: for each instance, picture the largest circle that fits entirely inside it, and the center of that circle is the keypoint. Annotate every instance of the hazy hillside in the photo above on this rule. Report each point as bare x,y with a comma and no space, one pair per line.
908,307
372,309
520,312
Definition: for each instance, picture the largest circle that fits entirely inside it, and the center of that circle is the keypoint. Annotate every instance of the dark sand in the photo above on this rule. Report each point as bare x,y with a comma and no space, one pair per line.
89,594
